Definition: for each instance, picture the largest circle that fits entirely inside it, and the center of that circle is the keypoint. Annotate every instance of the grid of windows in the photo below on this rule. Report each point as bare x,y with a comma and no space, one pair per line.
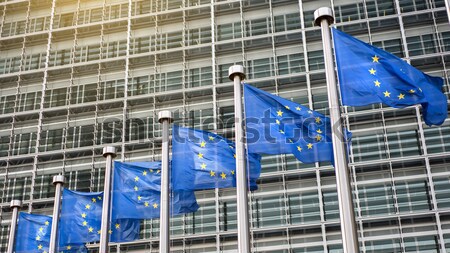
78,75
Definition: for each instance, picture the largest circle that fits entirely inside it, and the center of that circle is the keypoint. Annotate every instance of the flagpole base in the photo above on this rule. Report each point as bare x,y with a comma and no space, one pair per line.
321,13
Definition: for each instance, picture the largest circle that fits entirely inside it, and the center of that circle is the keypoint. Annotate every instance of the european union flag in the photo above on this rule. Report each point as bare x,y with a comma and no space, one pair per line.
80,220
275,125
137,192
33,235
369,75
204,160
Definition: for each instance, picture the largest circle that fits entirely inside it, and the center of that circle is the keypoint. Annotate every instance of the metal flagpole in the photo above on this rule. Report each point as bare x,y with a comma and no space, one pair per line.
236,74
15,205
109,153
324,17
58,182
165,118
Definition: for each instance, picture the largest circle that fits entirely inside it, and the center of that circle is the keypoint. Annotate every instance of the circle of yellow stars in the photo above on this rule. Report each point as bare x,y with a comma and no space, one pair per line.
136,188
377,83
204,144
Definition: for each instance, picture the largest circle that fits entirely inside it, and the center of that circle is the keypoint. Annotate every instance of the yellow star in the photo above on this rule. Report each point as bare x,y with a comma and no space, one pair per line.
377,83
234,156
281,131
85,223
38,238
46,223
290,140
99,197
155,205
375,59
299,148
144,173
310,146
88,206
117,225
232,172
41,229
202,144
319,131
40,246
212,173
317,119
211,138
287,107
203,166
83,215
99,232
90,229
139,197
110,231
136,179
136,188
200,155
278,122
372,71
158,171
94,200
412,91
387,94
146,204
318,137
298,108
401,96
69,247
46,251
223,175
151,171
280,113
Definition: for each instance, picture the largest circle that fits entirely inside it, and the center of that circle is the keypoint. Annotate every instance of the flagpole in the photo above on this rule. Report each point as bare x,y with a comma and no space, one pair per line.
323,17
164,118
109,153
58,182
236,74
15,205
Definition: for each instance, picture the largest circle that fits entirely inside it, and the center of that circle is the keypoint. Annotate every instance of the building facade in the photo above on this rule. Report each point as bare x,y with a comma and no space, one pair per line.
76,75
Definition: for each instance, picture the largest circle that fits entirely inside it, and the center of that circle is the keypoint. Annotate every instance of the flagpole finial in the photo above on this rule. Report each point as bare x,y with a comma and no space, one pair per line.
321,13
236,70
59,179
109,150
15,203
165,115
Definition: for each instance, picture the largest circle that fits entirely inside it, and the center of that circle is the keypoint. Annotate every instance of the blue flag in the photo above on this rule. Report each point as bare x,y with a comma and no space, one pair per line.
369,75
33,235
80,220
137,192
276,125
204,160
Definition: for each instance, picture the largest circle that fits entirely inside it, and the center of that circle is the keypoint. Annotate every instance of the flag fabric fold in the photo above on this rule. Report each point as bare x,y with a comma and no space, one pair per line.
204,160
80,220
33,235
275,125
137,191
369,75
